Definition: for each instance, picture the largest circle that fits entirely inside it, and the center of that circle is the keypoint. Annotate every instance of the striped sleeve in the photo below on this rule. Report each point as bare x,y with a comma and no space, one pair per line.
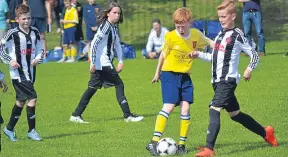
118,47
101,33
39,48
6,43
244,45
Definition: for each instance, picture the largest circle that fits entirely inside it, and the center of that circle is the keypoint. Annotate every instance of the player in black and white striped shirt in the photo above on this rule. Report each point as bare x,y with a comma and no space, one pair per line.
225,76
25,52
104,45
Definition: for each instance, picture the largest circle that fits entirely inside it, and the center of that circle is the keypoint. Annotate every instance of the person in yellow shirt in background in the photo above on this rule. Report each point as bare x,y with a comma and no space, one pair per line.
69,21
175,67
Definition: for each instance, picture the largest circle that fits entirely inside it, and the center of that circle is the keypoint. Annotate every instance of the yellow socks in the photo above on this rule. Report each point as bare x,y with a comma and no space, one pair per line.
184,128
160,125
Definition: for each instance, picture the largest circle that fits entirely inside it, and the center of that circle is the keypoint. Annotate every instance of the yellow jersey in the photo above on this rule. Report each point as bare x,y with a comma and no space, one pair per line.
71,15
176,50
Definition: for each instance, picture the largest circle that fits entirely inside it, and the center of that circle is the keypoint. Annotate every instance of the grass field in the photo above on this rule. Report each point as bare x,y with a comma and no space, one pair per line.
60,87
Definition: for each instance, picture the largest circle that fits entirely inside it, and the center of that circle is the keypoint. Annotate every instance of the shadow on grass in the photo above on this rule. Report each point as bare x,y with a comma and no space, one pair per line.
121,118
70,134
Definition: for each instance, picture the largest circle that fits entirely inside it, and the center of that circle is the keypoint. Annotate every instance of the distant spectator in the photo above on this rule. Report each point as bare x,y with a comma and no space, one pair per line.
3,16
12,6
90,12
41,10
252,14
69,21
155,40
79,32
58,9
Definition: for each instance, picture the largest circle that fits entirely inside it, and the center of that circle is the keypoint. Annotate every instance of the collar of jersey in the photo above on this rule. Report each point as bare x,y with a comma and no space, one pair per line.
185,38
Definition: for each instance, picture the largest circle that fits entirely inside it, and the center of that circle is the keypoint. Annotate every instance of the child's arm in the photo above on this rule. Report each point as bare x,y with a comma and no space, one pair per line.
158,69
5,43
3,83
39,50
254,58
119,53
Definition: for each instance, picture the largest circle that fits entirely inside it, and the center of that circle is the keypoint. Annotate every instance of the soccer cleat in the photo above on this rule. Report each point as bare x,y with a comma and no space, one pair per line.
62,60
152,148
270,137
205,152
34,135
70,61
181,149
77,119
133,118
10,134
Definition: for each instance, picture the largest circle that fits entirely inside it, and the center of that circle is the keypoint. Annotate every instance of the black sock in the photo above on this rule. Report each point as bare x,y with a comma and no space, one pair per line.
122,100
15,115
87,95
1,118
213,128
249,123
31,117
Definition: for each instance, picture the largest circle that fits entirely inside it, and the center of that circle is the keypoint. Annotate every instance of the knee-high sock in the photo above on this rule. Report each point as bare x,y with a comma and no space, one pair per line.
184,128
73,51
84,101
249,123
31,117
213,128
160,125
122,101
15,115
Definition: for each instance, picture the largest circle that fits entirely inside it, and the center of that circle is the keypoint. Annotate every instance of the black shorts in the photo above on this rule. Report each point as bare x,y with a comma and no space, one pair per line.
107,77
24,90
224,96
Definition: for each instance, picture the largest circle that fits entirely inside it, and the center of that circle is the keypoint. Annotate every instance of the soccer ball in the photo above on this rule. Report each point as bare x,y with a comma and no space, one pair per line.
166,146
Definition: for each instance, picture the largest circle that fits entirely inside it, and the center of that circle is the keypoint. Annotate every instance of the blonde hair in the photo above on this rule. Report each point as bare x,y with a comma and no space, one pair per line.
229,5
22,9
182,15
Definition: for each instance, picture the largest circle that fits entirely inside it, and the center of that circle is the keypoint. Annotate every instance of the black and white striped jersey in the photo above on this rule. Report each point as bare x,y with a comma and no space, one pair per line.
23,48
226,53
105,44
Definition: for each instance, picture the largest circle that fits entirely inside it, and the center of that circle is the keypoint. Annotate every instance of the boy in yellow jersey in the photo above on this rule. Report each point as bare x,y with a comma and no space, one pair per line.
175,66
70,21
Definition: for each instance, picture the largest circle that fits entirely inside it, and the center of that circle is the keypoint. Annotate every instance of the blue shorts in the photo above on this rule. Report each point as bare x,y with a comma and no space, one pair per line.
89,34
176,87
39,23
69,35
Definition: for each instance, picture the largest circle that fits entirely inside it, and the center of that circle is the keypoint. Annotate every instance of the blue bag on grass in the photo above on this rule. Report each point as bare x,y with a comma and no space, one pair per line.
55,55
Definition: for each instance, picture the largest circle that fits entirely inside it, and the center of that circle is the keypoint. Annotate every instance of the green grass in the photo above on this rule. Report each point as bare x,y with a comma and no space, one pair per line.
60,86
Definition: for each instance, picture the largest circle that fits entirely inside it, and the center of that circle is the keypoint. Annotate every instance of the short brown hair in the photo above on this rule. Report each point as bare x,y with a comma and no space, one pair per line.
229,5
182,15
21,9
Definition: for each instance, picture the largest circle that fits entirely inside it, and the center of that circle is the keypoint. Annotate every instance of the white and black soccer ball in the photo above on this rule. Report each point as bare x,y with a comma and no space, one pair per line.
166,146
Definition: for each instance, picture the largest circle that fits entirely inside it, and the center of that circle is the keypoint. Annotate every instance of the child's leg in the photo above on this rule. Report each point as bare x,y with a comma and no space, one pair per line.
213,127
31,117
1,118
161,121
15,114
184,121
73,51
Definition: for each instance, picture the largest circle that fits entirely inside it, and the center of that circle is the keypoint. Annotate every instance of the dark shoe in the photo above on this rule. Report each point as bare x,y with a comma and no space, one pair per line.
181,149
152,148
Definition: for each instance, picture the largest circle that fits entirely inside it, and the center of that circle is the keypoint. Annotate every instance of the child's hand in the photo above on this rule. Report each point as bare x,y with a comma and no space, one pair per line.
119,67
155,79
34,62
194,54
92,68
14,64
3,85
62,21
247,74
94,28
